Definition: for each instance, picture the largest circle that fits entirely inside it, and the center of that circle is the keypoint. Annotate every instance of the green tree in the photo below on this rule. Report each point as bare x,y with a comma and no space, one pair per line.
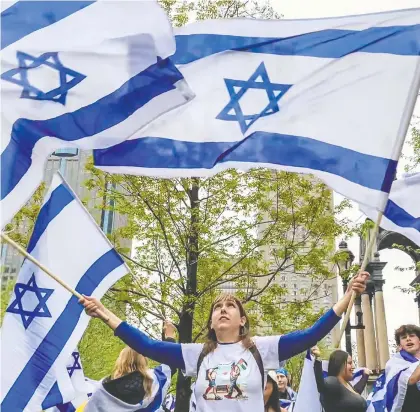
414,143
98,348
6,291
21,227
240,231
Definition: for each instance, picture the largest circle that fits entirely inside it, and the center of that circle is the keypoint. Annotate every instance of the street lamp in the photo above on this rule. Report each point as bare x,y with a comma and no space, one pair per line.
344,259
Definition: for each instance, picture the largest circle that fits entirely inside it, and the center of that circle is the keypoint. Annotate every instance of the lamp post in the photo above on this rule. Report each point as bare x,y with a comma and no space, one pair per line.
344,259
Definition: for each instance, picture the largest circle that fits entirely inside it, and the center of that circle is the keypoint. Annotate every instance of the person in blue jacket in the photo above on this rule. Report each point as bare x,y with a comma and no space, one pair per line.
228,341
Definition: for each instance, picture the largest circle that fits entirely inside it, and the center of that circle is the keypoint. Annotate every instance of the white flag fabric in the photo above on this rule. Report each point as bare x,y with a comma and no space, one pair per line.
402,212
169,402
103,401
85,74
308,392
43,322
81,386
391,387
331,97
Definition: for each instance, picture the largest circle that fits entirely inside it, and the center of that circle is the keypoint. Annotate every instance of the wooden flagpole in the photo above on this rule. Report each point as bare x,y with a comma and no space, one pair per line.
365,262
36,262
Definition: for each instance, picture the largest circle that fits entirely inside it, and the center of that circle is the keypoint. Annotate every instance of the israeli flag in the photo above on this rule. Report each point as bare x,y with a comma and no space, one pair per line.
102,400
86,74
332,97
82,387
391,387
288,404
308,391
402,212
43,322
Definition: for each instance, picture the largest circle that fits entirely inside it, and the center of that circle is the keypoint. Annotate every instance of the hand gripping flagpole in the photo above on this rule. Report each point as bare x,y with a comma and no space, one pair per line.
365,262
402,132
36,262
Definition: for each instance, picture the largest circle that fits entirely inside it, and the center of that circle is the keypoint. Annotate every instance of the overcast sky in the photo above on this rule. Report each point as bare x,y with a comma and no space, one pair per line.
400,308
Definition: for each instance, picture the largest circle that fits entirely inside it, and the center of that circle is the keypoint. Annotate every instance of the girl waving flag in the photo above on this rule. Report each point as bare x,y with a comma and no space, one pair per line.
230,363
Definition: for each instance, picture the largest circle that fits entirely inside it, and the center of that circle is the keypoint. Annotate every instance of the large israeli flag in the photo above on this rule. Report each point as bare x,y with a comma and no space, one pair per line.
332,97
402,212
390,388
43,321
78,73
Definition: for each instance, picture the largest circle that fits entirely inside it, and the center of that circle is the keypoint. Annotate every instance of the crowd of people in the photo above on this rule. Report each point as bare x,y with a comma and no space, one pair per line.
236,372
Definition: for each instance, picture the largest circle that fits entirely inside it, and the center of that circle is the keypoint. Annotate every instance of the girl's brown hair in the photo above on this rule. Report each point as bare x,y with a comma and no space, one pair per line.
130,361
244,332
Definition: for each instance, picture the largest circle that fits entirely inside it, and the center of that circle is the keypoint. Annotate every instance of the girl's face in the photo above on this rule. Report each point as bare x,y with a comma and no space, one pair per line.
348,369
226,317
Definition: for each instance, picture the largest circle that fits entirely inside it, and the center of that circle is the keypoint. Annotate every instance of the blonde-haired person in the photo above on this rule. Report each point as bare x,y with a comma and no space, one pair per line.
132,386
239,360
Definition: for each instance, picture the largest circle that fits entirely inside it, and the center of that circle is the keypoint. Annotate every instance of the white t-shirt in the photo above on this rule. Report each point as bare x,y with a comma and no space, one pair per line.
229,378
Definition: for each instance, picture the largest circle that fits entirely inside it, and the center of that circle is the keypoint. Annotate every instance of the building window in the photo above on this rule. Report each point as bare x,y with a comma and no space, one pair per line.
107,219
66,152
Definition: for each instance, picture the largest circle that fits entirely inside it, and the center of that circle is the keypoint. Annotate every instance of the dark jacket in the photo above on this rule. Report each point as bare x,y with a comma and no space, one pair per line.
335,397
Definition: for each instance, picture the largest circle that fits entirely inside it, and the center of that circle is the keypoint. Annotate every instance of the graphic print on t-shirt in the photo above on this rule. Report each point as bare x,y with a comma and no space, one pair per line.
227,381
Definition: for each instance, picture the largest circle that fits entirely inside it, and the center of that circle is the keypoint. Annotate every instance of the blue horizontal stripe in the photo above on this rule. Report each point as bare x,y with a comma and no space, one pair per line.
58,200
260,147
26,17
400,217
84,122
330,43
161,153
47,352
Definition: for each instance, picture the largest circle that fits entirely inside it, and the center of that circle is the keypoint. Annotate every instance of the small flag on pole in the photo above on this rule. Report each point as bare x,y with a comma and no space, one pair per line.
43,321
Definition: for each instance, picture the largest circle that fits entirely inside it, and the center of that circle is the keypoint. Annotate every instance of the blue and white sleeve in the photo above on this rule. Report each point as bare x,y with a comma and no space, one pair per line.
294,343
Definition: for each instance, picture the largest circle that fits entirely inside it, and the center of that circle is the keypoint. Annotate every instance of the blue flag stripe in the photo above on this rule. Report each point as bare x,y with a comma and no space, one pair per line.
270,148
391,390
103,114
25,17
53,343
58,200
400,217
330,43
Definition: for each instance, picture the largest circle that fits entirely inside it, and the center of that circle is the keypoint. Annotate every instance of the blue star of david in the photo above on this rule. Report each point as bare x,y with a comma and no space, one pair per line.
233,111
40,310
68,78
76,364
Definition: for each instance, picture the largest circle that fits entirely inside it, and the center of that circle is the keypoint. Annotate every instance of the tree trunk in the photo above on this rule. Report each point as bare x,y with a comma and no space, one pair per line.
185,331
